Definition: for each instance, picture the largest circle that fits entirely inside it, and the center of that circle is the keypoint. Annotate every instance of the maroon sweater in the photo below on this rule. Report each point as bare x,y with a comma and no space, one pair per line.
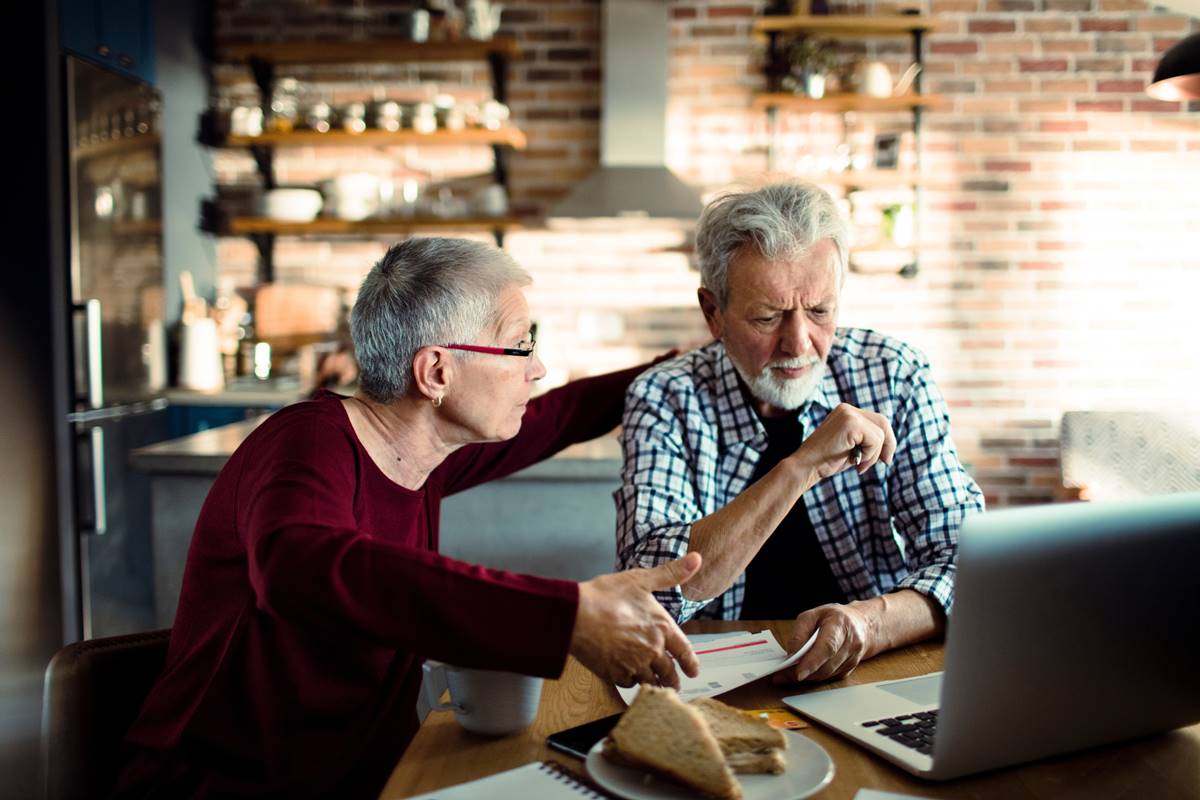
314,590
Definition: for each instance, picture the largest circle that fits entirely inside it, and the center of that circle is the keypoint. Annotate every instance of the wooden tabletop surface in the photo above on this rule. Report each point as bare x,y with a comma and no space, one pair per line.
1162,766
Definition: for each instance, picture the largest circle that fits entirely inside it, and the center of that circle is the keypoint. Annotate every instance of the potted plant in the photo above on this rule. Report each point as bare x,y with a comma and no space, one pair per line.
811,63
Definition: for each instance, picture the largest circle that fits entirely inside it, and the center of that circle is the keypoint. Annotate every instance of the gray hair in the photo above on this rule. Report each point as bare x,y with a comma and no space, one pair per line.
424,291
780,220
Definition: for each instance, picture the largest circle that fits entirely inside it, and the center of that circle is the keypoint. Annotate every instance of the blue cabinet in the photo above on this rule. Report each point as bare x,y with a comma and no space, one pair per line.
185,420
117,34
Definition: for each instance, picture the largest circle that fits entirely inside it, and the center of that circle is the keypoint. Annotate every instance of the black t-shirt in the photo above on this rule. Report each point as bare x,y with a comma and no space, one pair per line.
789,574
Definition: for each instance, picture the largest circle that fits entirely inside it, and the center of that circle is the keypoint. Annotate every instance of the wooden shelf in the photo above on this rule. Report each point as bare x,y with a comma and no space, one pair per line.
246,226
372,51
112,147
145,227
867,179
851,26
508,137
841,103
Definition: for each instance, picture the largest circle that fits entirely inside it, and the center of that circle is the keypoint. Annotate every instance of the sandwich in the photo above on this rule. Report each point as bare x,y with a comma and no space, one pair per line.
700,745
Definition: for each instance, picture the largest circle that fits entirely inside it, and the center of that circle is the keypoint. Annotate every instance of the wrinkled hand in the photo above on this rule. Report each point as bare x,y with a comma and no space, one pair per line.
623,634
844,641
848,431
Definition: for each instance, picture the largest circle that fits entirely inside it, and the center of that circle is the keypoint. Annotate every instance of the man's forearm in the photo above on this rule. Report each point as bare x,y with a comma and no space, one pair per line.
731,536
900,618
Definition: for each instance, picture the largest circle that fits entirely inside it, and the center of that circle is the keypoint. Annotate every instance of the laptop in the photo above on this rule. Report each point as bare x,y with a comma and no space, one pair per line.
1073,626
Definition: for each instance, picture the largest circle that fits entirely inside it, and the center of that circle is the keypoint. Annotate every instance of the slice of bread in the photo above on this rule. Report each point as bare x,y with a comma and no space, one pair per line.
770,762
737,732
661,732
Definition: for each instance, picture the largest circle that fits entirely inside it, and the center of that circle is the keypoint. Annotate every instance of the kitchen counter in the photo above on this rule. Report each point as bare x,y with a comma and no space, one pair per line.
243,391
205,453
555,518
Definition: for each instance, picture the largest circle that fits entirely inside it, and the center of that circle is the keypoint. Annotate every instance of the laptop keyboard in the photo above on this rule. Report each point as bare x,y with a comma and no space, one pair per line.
911,730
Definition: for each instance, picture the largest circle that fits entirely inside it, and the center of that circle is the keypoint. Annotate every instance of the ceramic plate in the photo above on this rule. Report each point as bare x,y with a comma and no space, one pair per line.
809,769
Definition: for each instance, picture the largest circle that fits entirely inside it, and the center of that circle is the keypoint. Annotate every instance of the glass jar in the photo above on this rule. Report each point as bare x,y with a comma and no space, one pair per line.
285,107
354,117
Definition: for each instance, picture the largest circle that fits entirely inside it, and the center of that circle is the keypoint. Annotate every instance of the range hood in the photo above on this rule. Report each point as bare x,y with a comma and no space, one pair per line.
633,180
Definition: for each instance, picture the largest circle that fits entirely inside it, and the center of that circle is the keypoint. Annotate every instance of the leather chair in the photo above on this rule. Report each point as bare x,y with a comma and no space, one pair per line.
93,692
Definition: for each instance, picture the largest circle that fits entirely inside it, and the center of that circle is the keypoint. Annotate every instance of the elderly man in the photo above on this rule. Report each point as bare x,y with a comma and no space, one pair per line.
811,466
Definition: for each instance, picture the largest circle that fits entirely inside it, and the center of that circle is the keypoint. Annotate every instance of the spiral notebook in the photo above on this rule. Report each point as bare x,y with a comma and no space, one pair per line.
543,779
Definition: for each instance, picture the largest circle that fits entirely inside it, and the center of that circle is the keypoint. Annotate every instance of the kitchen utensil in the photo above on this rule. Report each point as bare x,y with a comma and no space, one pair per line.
291,204
387,115
491,201
424,119
200,356
246,121
319,117
482,18
353,196
285,309
414,25
874,79
194,308
354,117
906,80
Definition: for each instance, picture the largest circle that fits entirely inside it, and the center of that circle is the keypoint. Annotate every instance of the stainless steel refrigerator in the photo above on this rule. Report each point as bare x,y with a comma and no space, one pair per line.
116,345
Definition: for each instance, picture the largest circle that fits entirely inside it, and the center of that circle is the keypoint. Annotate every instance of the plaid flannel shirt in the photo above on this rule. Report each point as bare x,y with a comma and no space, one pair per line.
692,442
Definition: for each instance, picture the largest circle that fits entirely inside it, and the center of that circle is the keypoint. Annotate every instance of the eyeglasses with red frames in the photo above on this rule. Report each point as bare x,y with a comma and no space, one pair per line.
523,349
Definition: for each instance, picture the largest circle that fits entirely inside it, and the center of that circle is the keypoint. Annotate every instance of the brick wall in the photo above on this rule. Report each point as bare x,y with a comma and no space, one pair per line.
1060,239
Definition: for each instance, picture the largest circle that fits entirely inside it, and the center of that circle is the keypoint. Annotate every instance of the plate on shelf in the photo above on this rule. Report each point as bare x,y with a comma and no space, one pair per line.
809,770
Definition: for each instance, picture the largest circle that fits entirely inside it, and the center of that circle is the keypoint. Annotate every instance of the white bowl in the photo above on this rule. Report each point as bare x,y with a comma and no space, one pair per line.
291,205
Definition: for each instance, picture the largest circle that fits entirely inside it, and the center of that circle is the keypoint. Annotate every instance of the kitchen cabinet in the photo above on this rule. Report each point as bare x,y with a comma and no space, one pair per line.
266,59
851,27
117,34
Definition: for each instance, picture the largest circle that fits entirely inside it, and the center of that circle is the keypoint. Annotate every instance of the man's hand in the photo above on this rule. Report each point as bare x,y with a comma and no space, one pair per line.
849,437
623,634
844,641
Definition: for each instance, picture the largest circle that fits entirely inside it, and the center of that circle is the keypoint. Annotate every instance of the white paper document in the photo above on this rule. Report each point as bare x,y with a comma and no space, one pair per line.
728,661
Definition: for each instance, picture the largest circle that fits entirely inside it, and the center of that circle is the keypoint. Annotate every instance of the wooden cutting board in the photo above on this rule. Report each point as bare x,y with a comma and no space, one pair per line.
287,310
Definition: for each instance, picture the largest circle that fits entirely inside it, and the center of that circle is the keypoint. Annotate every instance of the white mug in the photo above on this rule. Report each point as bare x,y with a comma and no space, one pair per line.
200,357
483,701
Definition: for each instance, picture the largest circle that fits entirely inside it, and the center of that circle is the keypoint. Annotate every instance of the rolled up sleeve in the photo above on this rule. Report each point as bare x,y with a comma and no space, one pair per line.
657,502
932,492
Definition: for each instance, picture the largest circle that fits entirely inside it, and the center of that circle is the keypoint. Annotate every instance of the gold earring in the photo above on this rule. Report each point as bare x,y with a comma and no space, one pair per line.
437,401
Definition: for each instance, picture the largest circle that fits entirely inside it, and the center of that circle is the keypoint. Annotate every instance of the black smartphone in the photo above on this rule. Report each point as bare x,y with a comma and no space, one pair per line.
579,740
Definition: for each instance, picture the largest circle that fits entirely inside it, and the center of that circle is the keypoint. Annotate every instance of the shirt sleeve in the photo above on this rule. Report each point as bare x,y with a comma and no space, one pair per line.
657,502
311,566
931,491
577,412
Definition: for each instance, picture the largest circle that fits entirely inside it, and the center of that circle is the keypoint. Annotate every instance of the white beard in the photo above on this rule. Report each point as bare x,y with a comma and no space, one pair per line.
786,393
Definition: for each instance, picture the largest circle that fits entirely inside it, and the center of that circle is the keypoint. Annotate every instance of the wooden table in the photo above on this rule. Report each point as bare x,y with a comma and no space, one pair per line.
1163,766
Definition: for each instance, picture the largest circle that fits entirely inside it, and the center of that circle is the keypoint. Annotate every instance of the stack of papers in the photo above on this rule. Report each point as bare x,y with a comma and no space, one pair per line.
730,660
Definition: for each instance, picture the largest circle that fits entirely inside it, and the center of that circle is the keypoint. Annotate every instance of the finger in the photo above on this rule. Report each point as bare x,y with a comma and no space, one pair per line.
802,630
664,668
888,449
672,573
833,666
873,441
829,641
680,649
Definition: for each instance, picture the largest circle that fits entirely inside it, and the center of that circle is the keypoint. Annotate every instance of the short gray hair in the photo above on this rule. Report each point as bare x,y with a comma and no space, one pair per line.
780,220
424,291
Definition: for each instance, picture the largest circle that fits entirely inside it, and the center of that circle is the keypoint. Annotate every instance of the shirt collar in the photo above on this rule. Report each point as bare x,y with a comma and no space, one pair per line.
738,421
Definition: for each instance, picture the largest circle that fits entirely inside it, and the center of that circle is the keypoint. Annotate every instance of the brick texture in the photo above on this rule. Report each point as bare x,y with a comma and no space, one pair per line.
1059,257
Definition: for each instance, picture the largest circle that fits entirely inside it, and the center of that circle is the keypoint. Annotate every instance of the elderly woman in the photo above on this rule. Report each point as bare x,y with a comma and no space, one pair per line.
313,588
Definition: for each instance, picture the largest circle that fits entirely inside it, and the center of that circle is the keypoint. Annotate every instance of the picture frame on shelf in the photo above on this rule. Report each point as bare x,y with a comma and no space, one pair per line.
887,151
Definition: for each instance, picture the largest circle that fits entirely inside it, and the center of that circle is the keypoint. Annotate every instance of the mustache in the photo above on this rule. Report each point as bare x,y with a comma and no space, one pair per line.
795,363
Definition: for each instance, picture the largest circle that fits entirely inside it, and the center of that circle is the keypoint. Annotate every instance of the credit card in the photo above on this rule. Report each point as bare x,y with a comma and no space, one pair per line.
779,717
